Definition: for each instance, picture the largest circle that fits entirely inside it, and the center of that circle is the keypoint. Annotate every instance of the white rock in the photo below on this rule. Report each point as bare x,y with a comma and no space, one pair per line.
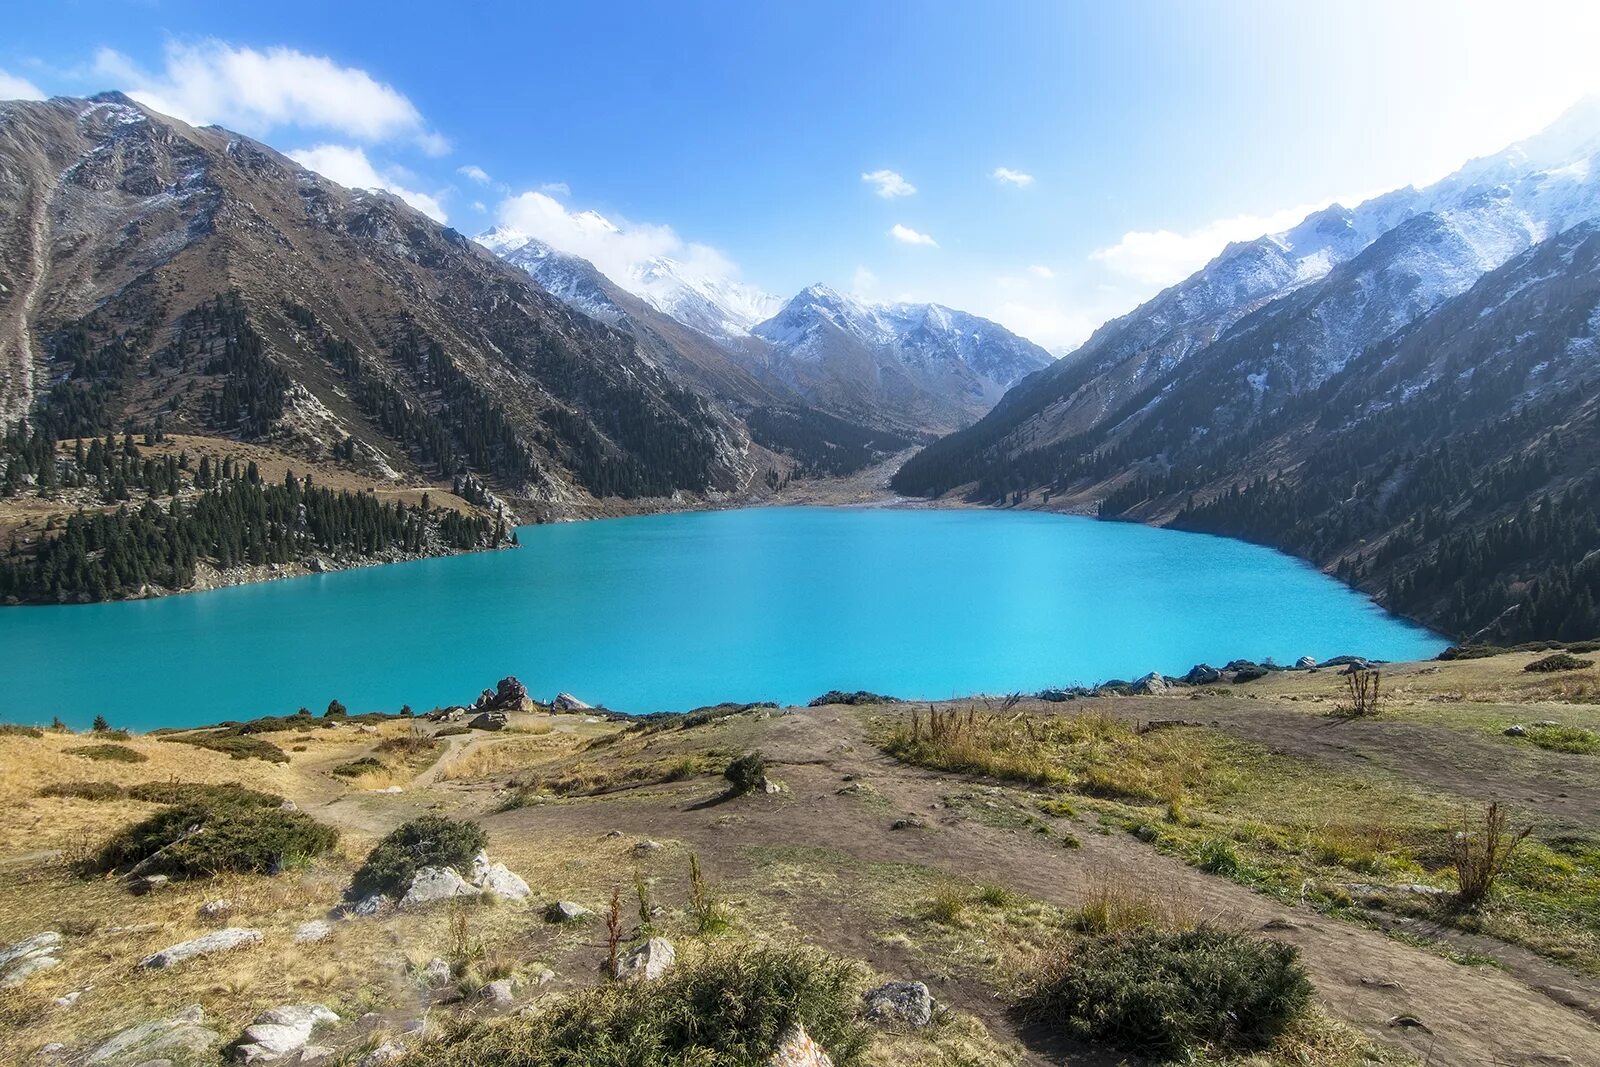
373,905
480,867
26,967
315,930
28,946
649,961
437,972
281,1032
503,883
796,1049
213,909
900,1002
568,702
179,1033
433,884
565,911
221,941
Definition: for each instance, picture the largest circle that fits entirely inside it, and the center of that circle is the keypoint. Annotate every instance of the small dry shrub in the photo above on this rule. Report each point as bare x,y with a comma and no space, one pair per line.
1481,853
108,753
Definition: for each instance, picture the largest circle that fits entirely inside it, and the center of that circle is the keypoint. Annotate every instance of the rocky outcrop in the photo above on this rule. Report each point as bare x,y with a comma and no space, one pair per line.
648,962
1150,685
903,1003
179,1036
28,957
221,941
507,695
568,702
281,1033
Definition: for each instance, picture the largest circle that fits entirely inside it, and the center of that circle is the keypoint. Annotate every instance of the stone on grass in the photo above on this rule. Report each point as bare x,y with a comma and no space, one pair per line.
648,962
148,883
565,911
216,909
388,1052
644,848
376,904
437,972
1150,685
796,1049
433,884
498,993
281,1032
1516,730
180,1034
28,957
315,930
500,881
222,941
907,1003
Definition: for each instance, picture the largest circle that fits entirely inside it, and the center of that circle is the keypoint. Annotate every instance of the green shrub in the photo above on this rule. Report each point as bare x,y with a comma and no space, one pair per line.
727,1008
860,696
1171,994
1472,652
84,790
111,753
453,731
1584,646
1218,856
1573,739
357,767
1558,662
11,729
226,793
430,841
746,772
235,745
230,832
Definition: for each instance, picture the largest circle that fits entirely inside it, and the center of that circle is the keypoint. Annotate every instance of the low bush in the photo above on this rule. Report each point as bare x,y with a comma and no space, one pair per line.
429,841
1171,994
11,729
1584,646
745,773
235,745
860,696
109,753
84,790
1574,739
1561,661
357,767
727,1008
226,793
234,830
1472,652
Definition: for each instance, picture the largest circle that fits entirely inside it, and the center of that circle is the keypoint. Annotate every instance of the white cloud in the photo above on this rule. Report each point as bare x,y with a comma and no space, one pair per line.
474,172
888,184
906,235
349,166
1008,176
620,249
1161,257
556,189
260,91
864,283
480,207
1039,270
15,88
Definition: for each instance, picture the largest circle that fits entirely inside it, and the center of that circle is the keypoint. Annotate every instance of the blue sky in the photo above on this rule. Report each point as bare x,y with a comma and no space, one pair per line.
1131,140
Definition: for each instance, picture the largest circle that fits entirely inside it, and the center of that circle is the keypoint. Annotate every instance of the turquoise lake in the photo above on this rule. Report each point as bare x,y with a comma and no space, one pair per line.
670,612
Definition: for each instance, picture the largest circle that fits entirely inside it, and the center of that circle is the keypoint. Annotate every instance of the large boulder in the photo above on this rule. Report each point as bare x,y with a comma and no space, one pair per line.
507,695
500,881
28,957
281,1032
568,702
904,1003
1201,674
221,941
565,911
1305,663
180,1036
648,962
433,884
490,720
1150,685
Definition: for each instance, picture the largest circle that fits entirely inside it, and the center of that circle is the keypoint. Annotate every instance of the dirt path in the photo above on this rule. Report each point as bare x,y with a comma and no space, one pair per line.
1474,1015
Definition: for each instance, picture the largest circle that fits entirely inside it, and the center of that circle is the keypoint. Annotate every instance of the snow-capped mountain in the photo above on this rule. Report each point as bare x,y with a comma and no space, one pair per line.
917,364
1347,277
716,306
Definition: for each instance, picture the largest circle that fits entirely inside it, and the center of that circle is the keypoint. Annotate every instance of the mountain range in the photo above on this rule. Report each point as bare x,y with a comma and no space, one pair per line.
911,369
1381,389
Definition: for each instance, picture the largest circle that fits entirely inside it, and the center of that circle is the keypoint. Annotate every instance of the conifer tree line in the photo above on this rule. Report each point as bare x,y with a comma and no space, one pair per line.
236,521
821,443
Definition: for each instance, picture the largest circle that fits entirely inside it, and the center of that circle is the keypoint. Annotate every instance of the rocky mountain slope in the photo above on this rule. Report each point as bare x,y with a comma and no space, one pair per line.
909,369
1225,388
380,339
